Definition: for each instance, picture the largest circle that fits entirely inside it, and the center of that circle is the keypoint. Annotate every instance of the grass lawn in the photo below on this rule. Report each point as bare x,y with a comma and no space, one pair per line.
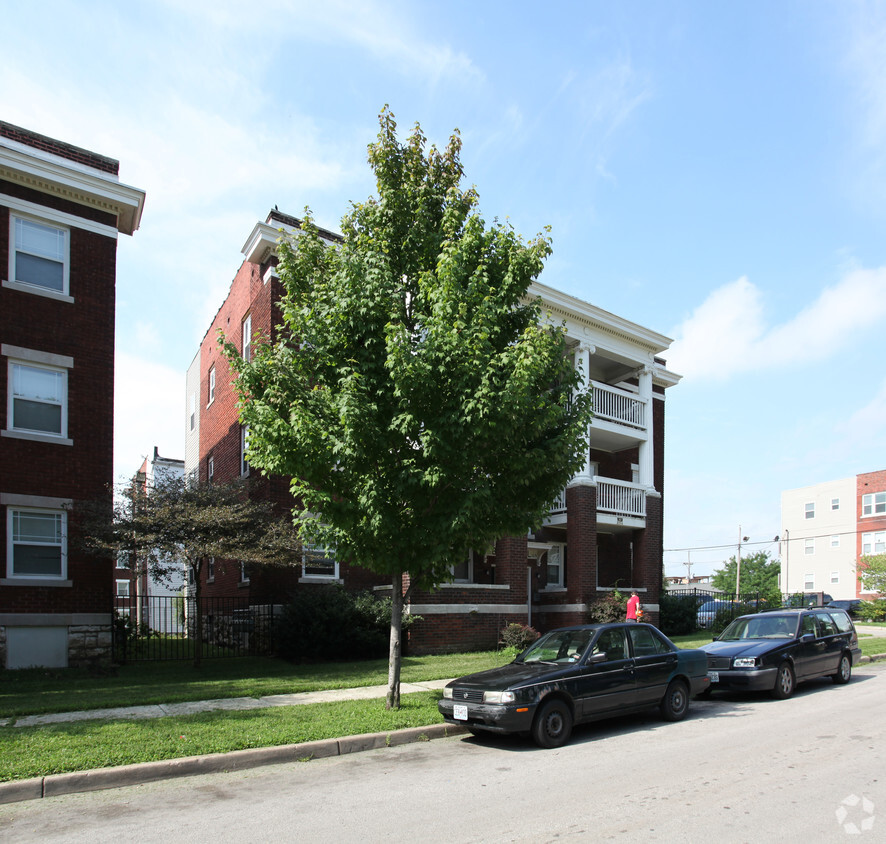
38,751
36,691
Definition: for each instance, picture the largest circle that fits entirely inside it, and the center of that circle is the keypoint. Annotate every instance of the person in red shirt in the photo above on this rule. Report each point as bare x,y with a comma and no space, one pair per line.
633,606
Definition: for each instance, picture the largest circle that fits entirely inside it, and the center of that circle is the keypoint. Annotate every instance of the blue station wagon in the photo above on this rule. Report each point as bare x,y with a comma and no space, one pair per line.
575,675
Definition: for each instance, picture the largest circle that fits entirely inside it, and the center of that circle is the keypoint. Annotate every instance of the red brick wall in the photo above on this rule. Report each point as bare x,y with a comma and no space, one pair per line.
69,151
83,330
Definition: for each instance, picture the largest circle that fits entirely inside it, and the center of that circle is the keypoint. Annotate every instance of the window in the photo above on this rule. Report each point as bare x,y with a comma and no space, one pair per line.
873,543
810,510
122,588
835,504
835,577
40,254
835,541
193,410
319,561
464,571
210,468
809,546
808,582
211,386
555,567
244,572
244,445
247,338
873,504
38,399
37,543
210,570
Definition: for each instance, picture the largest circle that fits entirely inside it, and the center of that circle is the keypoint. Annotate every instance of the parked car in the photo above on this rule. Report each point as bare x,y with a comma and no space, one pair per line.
575,675
851,606
708,612
775,650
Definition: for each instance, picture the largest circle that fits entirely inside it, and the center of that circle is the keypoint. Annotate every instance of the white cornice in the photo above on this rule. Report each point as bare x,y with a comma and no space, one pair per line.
83,185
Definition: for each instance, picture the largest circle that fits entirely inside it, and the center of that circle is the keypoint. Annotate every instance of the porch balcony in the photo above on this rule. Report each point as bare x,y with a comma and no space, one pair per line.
621,418
620,504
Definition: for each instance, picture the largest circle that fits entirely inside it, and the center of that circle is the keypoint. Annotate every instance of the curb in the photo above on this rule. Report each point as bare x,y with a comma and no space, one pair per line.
214,763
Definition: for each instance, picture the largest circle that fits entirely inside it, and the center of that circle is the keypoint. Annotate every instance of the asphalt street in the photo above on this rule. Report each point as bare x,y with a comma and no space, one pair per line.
740,768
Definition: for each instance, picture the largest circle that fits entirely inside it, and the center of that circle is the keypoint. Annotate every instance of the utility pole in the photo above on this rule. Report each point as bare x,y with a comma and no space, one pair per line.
738,567
688,565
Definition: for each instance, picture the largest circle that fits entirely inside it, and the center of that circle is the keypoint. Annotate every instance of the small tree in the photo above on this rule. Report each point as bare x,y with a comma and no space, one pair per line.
417,396
759,574
872,573
175,525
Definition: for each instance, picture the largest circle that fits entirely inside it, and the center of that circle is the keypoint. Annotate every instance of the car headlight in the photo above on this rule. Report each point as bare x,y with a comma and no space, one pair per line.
744,662
447,692
499,697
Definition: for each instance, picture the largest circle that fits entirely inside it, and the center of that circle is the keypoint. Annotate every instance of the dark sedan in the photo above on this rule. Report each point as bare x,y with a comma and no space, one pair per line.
773,651
574,675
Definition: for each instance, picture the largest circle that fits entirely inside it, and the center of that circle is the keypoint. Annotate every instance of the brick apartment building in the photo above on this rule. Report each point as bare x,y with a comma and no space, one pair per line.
826,527
604,532
61,210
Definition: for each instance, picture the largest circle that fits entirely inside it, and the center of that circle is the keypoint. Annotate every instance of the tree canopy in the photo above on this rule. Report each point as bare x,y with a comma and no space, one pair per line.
872,573
759,574
416,395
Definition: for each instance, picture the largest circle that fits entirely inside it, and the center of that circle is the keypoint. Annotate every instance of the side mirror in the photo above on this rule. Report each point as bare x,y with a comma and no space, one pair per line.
806,638
595,659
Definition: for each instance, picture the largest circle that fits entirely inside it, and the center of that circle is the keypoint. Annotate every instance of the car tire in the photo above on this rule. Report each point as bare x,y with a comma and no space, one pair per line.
844,670
784,682
553,724
675,703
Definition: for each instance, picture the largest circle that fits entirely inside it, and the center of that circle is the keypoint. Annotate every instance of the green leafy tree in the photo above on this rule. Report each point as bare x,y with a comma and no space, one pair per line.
418,398
176,526
759,573
872,573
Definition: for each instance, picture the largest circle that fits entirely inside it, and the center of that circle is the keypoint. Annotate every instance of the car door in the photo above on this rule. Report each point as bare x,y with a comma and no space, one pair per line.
654,663
810,652
608,677
833,642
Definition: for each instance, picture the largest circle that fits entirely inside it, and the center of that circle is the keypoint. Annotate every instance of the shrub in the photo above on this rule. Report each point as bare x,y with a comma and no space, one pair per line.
678,613
613,607
332,624
517,637
872,610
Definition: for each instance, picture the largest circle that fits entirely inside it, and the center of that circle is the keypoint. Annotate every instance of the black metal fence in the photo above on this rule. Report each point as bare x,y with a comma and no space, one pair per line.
165,628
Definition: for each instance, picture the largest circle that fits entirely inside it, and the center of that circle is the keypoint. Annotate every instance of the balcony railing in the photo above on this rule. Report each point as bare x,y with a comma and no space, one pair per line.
619,406
620,498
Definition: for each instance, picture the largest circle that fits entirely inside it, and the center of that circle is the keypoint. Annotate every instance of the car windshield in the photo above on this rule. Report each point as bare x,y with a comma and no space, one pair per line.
761,627
558,646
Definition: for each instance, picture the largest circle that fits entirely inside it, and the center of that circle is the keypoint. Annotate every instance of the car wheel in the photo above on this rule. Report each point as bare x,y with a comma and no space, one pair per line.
675,703
784,682
553,724
844,671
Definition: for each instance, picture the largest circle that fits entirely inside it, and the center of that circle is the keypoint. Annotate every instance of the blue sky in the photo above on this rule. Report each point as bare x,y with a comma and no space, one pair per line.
714,171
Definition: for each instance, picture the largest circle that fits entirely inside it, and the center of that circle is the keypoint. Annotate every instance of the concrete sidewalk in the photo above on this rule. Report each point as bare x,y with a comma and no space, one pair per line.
161,710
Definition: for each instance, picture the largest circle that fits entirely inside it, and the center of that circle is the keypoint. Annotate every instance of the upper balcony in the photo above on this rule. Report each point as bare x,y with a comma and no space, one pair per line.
621,418
620,504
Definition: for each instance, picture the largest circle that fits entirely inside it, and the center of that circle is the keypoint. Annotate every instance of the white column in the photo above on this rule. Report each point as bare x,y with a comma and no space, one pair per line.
583,365
647,446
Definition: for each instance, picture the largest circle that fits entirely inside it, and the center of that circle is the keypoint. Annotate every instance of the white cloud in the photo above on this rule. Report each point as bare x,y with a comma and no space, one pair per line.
149,411
728,334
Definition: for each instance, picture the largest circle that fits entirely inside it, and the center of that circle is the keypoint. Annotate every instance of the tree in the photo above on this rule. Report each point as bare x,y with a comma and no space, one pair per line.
759,574
418,400
872,573
175,524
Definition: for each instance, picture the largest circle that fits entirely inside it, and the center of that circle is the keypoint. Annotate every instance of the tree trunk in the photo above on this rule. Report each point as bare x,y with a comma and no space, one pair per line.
392,701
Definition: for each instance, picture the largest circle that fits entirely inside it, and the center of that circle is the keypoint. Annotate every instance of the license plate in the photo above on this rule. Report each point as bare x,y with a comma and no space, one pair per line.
714,676
460,712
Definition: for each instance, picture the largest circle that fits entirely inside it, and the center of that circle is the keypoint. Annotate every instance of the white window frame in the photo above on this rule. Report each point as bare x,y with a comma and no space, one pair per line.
247,338
467,566
121,593
15,219
835,540
835,577
810,509
873,504
244,445
326,553
11,543
211,386
835,504
809,546
809,582
244,572
210,570
556,560
873,542
210,468
193,411
47,362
